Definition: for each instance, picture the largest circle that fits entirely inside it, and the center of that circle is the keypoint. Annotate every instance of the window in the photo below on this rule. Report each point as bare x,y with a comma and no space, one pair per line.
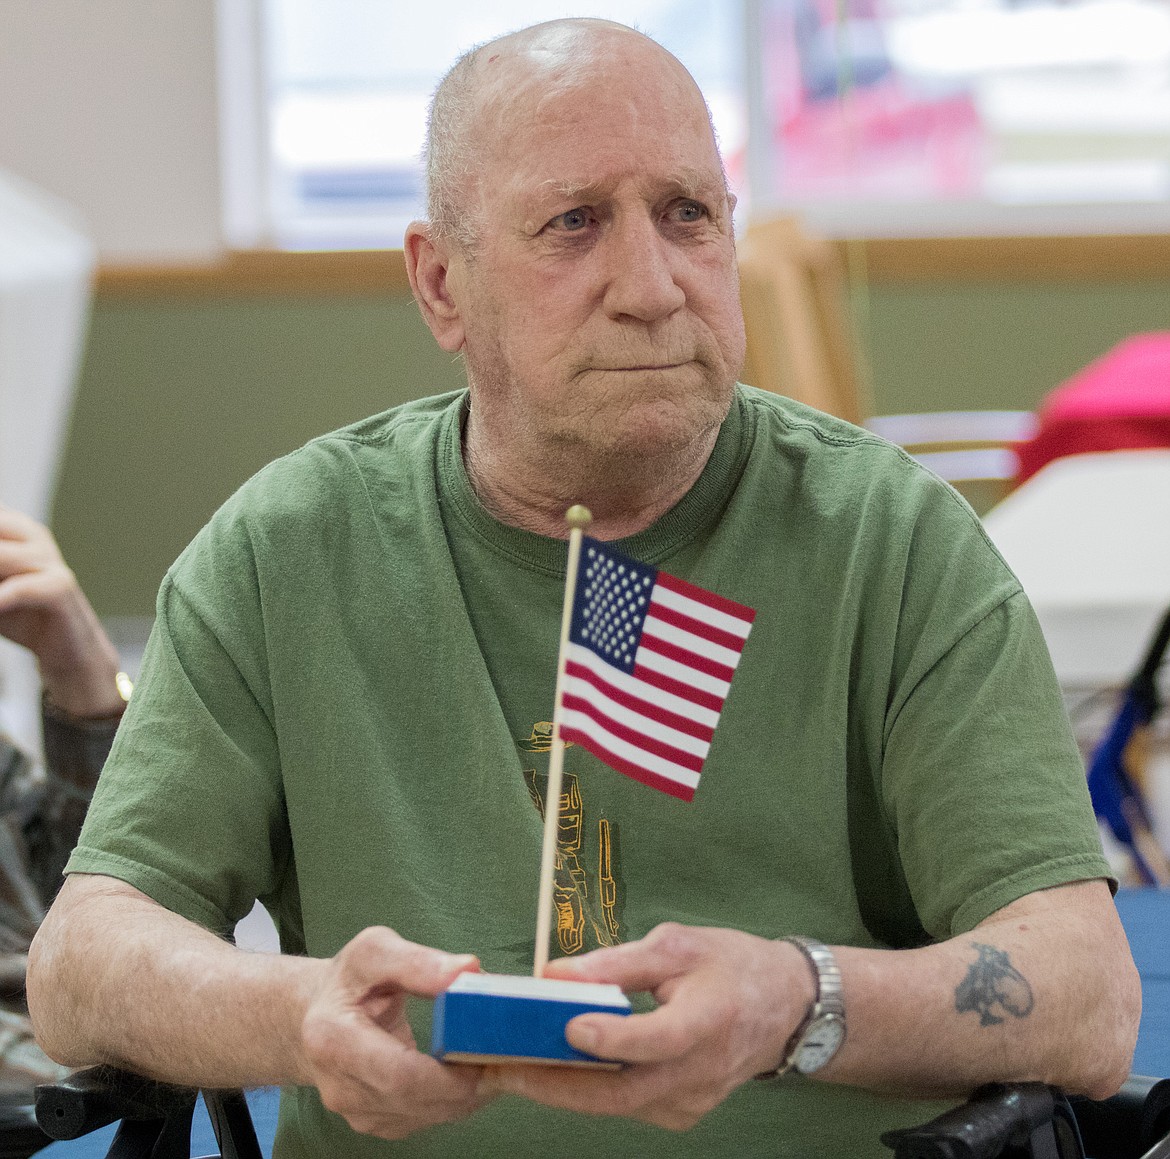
921,116
348,82
868,117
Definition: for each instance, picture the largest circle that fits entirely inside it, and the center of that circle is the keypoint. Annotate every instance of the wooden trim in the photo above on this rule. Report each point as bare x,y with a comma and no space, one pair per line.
260,273
1091,258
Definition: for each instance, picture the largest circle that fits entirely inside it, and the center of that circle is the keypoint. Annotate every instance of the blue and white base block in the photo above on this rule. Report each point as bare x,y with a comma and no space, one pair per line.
508,1018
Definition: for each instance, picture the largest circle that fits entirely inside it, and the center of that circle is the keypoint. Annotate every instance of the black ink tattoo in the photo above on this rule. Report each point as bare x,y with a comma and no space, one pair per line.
992,981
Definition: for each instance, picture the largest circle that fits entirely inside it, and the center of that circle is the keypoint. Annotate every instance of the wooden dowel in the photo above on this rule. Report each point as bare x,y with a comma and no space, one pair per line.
578,518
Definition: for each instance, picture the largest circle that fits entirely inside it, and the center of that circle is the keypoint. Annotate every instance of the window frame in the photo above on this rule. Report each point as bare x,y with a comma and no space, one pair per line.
246,182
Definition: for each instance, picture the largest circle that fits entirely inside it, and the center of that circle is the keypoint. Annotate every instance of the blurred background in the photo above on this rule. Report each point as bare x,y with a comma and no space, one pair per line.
1003,168
200,202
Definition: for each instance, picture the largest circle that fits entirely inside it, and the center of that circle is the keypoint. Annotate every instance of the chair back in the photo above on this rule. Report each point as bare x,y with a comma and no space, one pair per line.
800,341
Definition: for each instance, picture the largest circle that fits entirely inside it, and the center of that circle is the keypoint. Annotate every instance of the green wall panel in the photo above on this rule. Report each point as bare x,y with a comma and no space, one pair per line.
181,400
949,347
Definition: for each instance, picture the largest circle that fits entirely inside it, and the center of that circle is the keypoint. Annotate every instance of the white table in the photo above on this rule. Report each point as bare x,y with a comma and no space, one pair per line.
1089,538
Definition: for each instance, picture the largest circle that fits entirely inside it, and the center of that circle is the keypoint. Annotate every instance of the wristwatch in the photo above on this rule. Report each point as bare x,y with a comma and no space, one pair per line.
822,1030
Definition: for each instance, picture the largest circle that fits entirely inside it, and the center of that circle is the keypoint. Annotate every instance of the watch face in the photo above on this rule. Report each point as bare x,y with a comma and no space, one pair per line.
821,1041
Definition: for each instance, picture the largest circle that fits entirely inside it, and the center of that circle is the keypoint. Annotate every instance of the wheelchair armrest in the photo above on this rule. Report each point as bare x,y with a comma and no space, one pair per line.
1129,1123
1008,1118
995,1118
93,1098
155,1117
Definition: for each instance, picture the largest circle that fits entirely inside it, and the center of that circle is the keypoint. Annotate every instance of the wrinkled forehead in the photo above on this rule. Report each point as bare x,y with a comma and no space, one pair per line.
520,77
620,101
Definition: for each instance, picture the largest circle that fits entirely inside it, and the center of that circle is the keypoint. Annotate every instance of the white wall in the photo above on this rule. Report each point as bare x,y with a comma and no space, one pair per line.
111,105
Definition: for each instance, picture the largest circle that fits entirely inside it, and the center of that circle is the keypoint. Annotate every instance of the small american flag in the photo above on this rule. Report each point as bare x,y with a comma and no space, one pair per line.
649,664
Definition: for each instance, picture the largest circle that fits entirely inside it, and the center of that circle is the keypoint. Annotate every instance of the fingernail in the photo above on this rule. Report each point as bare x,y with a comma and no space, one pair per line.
455,962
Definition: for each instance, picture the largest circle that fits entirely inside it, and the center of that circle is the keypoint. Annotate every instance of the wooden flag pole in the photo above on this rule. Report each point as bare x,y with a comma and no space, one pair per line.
578,518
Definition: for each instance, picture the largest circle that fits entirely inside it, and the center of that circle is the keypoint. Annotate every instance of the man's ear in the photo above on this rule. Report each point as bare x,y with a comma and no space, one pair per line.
427,263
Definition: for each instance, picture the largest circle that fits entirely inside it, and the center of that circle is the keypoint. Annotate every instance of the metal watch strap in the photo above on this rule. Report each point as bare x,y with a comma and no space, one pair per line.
828,999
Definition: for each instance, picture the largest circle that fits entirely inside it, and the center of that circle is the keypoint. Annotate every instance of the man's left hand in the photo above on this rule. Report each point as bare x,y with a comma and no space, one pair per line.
728,1004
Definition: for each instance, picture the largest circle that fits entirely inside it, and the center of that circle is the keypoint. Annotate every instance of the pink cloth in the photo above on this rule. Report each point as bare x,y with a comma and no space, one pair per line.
1121,402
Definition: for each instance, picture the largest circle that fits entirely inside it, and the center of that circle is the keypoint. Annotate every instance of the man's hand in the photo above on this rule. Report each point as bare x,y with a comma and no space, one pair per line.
43,608
1043,990
728,1003
359,1050
169,1000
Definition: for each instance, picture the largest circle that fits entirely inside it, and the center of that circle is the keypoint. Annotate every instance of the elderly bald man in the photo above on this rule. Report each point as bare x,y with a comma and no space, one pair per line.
342,713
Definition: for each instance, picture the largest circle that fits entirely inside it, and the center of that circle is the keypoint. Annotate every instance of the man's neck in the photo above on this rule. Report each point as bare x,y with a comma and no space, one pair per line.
624,497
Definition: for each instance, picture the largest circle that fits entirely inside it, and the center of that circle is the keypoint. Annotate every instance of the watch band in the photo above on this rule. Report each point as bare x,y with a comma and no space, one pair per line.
123,687
828,1004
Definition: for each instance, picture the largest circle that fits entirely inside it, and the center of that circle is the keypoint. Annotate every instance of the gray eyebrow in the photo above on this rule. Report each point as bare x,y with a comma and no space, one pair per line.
687,182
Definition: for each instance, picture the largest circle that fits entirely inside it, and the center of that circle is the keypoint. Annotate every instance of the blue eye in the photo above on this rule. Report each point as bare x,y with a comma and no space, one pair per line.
691,211
574,220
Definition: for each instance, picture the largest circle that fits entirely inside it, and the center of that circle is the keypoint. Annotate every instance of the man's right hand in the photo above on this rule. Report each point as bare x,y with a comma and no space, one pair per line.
171,1001
358,1047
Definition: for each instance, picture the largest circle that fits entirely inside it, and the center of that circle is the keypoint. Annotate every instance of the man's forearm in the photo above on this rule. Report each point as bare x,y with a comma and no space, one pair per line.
1044,990
115,978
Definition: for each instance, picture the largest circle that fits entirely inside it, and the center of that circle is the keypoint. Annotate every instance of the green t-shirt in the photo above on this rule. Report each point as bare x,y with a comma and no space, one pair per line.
344,711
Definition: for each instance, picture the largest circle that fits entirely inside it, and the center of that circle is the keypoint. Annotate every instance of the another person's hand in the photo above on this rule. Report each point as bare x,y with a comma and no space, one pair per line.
728,1003
43,608
358,1048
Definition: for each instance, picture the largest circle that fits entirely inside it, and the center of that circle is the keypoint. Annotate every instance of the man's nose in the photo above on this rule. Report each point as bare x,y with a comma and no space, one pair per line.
641,272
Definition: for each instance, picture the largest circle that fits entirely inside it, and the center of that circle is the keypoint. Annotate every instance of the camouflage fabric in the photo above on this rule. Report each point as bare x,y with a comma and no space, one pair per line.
41,811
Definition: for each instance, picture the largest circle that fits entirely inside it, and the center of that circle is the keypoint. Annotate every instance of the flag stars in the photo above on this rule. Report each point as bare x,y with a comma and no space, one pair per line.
611,608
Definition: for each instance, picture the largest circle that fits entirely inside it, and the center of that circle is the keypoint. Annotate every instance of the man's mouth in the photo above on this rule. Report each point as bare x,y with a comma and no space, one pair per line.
644,366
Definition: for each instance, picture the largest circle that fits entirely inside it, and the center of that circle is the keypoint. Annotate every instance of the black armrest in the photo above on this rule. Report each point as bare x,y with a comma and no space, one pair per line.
1029,1119
20,1136
1129,1123
91,1099
155,1117
1000,1119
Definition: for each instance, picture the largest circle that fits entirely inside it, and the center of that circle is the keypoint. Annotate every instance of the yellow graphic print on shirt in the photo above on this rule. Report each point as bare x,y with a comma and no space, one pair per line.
585,891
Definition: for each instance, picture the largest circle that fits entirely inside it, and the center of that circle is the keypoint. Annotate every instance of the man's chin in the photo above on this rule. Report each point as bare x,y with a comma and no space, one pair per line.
651,431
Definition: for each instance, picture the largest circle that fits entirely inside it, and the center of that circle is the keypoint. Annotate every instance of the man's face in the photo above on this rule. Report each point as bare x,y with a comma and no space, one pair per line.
601,303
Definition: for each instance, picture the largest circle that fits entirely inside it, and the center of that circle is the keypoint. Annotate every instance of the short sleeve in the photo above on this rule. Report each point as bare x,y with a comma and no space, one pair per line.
982,779
189,808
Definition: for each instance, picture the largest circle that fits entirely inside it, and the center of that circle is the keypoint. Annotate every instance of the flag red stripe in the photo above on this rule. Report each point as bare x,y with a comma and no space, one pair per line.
654,780
669,684
687,623
636,704
641,740
702,596
685,656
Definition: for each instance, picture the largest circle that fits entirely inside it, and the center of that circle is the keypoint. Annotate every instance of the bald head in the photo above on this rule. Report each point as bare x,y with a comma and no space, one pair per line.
493,89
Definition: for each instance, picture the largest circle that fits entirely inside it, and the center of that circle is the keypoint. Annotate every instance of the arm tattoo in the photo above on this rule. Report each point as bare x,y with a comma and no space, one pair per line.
992,981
